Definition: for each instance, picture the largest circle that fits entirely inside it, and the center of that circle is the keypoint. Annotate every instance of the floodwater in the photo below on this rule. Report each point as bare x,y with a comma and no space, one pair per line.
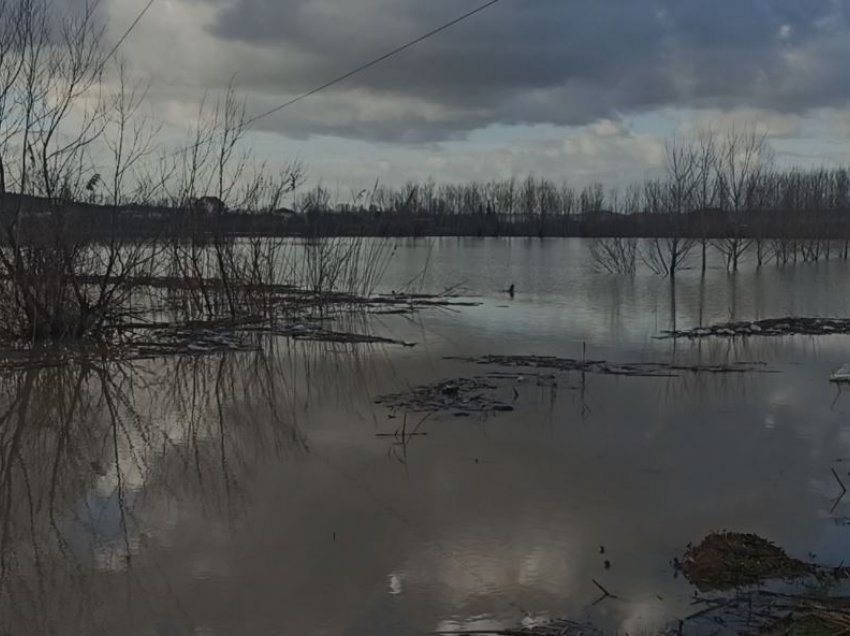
258,493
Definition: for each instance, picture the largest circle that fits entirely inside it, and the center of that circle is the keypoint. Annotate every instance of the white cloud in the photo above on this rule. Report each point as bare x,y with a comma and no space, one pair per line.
606,152
574,71
770,123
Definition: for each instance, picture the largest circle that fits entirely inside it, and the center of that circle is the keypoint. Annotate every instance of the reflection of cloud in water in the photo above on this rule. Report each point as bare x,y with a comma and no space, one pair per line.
646,616
252,495
396,586
467,569
99,481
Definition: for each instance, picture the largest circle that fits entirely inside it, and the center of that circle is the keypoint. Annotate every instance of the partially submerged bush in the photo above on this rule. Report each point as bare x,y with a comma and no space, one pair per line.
68,264
53,293
726,560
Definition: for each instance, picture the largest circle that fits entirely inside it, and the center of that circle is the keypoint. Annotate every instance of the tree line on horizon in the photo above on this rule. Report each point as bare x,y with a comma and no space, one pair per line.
93,204
719,190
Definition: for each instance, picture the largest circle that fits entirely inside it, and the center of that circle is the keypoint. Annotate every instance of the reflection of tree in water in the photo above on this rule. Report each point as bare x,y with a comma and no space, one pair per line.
96,456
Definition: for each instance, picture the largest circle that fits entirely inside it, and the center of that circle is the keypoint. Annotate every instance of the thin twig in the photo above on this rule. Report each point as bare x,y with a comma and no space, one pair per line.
605,592
840,483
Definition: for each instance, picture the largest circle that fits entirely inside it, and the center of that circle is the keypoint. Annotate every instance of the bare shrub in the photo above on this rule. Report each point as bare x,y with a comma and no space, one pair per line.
53,107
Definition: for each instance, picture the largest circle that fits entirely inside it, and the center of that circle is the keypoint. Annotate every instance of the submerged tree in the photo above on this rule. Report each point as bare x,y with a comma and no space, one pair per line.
673,198
743,159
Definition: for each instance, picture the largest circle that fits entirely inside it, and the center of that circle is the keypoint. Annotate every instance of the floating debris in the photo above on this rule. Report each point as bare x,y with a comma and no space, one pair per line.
639,369
463,396
193,341
768,327
768,613
319,334
729,561
549,628
380,304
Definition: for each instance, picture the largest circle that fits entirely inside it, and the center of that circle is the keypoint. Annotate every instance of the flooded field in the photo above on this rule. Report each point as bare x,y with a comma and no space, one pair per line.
283,491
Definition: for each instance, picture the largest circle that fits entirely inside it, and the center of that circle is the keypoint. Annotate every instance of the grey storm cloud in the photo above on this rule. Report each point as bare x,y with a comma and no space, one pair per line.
563,62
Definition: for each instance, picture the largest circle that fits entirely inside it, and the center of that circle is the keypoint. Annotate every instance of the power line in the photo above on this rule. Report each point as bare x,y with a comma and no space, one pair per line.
347,75
127,33
373,62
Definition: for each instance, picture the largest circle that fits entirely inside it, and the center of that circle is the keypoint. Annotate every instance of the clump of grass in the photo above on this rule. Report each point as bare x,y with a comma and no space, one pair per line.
726,560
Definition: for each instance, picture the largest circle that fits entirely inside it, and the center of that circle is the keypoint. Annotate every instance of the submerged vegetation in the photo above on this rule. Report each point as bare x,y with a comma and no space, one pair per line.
726,560
102,226
729,566
548,628
460,396
147,266
498,391
635,369
719,192
79,160
787,326
774,614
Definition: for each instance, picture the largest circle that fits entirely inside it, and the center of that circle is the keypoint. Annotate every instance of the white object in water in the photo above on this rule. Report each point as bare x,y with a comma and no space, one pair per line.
841,374
396,587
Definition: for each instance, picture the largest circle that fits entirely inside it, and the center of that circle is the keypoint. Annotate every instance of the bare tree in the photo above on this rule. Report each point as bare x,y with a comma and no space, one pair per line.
705,195
51,67
74,162
743,156
673,199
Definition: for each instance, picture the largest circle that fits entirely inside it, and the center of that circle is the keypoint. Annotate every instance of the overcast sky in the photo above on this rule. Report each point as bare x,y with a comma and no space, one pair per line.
575,89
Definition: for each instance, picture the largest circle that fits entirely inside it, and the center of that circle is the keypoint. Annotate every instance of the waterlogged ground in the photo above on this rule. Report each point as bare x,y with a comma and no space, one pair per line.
267,493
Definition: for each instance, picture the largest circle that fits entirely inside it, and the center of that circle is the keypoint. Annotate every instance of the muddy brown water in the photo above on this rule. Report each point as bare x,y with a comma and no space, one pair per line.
258,493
